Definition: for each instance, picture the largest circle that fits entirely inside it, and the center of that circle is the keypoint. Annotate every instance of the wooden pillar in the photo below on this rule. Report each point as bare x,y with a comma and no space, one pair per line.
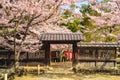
47,54
5,76
27,57
96,56
115,56
38,68
75,51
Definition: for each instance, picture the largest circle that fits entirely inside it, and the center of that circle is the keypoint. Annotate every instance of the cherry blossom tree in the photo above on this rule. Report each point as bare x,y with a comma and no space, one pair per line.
17,17
102,18
110,15
22,14
109,12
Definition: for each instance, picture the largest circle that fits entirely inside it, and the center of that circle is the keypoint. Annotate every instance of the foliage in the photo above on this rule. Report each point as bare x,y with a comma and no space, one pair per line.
73,6
87,22
87,9
110,39
20,72
67,14
7,31
98,22
19,16
104,1
74,26
87,36
107,10
118,67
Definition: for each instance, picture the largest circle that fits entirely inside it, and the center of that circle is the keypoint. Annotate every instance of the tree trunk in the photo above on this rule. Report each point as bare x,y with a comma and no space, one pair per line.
17,60
17,53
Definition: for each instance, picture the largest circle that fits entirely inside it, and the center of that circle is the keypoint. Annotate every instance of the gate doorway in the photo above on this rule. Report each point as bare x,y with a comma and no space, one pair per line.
61,55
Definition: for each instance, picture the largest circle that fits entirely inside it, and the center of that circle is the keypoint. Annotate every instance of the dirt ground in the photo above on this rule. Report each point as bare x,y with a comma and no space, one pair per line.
69,77
67,74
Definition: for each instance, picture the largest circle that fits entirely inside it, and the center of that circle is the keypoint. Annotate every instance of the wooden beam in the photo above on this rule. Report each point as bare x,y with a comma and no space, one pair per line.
96,55
115,56
47,54
75,51
97,60
59,42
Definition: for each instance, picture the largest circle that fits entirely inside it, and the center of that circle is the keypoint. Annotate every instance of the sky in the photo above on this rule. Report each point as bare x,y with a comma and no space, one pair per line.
78,4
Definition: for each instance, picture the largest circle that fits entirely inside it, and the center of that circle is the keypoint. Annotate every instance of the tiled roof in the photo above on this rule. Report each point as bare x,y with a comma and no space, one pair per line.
61,37
99,44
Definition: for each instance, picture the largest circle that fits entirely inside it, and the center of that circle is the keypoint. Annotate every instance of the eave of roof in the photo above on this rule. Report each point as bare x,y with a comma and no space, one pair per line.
99,44
61,37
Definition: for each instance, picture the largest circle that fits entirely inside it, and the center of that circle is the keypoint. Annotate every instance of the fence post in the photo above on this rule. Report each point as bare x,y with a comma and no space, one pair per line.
5,76
38,69
27,68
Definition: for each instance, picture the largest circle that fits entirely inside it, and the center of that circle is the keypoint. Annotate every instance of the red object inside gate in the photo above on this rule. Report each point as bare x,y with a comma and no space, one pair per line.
69,55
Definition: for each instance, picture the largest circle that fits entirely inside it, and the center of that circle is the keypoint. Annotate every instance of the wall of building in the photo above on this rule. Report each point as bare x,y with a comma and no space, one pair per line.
30,59
86,57
96,58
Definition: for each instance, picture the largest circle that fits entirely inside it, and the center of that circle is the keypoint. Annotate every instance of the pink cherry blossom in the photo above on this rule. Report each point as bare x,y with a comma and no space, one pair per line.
43,13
